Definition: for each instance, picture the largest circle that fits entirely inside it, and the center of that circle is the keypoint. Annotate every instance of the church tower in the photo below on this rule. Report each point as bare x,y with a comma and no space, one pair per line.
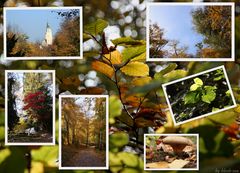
48,37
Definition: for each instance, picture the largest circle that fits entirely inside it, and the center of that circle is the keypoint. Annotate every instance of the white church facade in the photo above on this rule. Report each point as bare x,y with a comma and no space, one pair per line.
48,39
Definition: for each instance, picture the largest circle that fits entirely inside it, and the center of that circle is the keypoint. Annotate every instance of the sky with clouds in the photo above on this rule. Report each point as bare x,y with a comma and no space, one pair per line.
177,24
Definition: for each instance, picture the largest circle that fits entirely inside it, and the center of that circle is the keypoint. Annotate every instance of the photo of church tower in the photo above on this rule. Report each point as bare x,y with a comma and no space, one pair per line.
41,33
48,39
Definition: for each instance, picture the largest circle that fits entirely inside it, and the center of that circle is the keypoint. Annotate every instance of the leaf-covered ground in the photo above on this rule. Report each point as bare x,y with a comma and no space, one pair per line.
40,137
82,157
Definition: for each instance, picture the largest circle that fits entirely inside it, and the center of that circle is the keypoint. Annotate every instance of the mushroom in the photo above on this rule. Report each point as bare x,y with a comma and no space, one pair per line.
178,143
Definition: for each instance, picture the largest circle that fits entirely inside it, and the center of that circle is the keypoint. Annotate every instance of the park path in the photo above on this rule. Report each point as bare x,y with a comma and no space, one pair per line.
87,157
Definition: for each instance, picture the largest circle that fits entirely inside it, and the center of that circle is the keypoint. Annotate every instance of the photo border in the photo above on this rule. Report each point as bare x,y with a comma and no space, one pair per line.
5,9
106,167
170,169
231,4
6,109
204,115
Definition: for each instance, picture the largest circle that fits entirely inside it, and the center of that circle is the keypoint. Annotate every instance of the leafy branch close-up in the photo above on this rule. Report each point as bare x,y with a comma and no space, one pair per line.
114,64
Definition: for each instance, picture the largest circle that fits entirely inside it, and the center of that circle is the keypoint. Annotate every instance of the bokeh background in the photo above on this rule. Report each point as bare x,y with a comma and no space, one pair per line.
219,141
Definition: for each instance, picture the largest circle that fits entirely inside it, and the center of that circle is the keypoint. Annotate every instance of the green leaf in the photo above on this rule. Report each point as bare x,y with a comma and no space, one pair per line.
215,109
115,108
198,81
115,162
210,88
210,94
228,93
209,97
96,27
132,52
123,41
169,68
173,75
219,75
135,69
194,87
46,154
2,133
191,97
140,58
213,142
119,139
130,170
4,154
128,159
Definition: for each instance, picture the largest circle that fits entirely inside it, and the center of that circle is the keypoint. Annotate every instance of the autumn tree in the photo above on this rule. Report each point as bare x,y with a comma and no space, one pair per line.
67,39
214,23
99,123
176,50
38,99
157,41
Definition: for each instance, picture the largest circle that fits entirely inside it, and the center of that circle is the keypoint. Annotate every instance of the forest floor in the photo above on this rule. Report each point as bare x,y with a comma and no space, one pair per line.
82,157
40,137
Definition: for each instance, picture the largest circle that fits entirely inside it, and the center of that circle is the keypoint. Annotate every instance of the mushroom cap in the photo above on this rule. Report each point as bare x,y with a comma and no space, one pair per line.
177,140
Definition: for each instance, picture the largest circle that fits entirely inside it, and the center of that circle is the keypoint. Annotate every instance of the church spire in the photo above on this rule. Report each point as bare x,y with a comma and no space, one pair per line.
48,39
48,25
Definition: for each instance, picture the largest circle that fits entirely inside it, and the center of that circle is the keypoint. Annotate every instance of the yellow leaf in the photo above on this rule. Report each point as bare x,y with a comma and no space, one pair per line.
141,81
135,69
114,57
103,68
141,57
37,167
237,109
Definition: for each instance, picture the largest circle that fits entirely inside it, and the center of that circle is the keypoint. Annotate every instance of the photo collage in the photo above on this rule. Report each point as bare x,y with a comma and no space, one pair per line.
121,87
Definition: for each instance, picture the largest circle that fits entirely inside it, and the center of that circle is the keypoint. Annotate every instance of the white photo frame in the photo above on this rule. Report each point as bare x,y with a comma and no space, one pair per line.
60,133
192,76
6,9
6,108
165,4
171,169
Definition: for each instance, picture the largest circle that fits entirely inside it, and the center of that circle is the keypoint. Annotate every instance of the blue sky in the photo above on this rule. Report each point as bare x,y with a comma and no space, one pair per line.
84,108
177,24
33,22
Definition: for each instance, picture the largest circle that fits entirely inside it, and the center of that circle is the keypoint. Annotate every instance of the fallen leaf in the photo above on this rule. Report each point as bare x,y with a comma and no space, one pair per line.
179,163
157,165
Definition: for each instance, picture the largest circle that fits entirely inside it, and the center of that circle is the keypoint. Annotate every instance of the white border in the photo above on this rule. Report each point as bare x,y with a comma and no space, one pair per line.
60,134
171,169
5,9
6,108
191,76
148,58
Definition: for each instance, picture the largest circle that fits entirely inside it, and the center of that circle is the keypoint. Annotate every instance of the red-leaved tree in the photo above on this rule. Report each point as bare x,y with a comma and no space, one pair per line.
38,105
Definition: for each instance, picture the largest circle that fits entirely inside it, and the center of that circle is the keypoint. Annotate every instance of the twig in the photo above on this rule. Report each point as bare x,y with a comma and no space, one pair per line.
115,76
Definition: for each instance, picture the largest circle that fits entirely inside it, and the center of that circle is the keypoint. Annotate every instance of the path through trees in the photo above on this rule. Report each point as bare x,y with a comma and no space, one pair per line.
83,131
